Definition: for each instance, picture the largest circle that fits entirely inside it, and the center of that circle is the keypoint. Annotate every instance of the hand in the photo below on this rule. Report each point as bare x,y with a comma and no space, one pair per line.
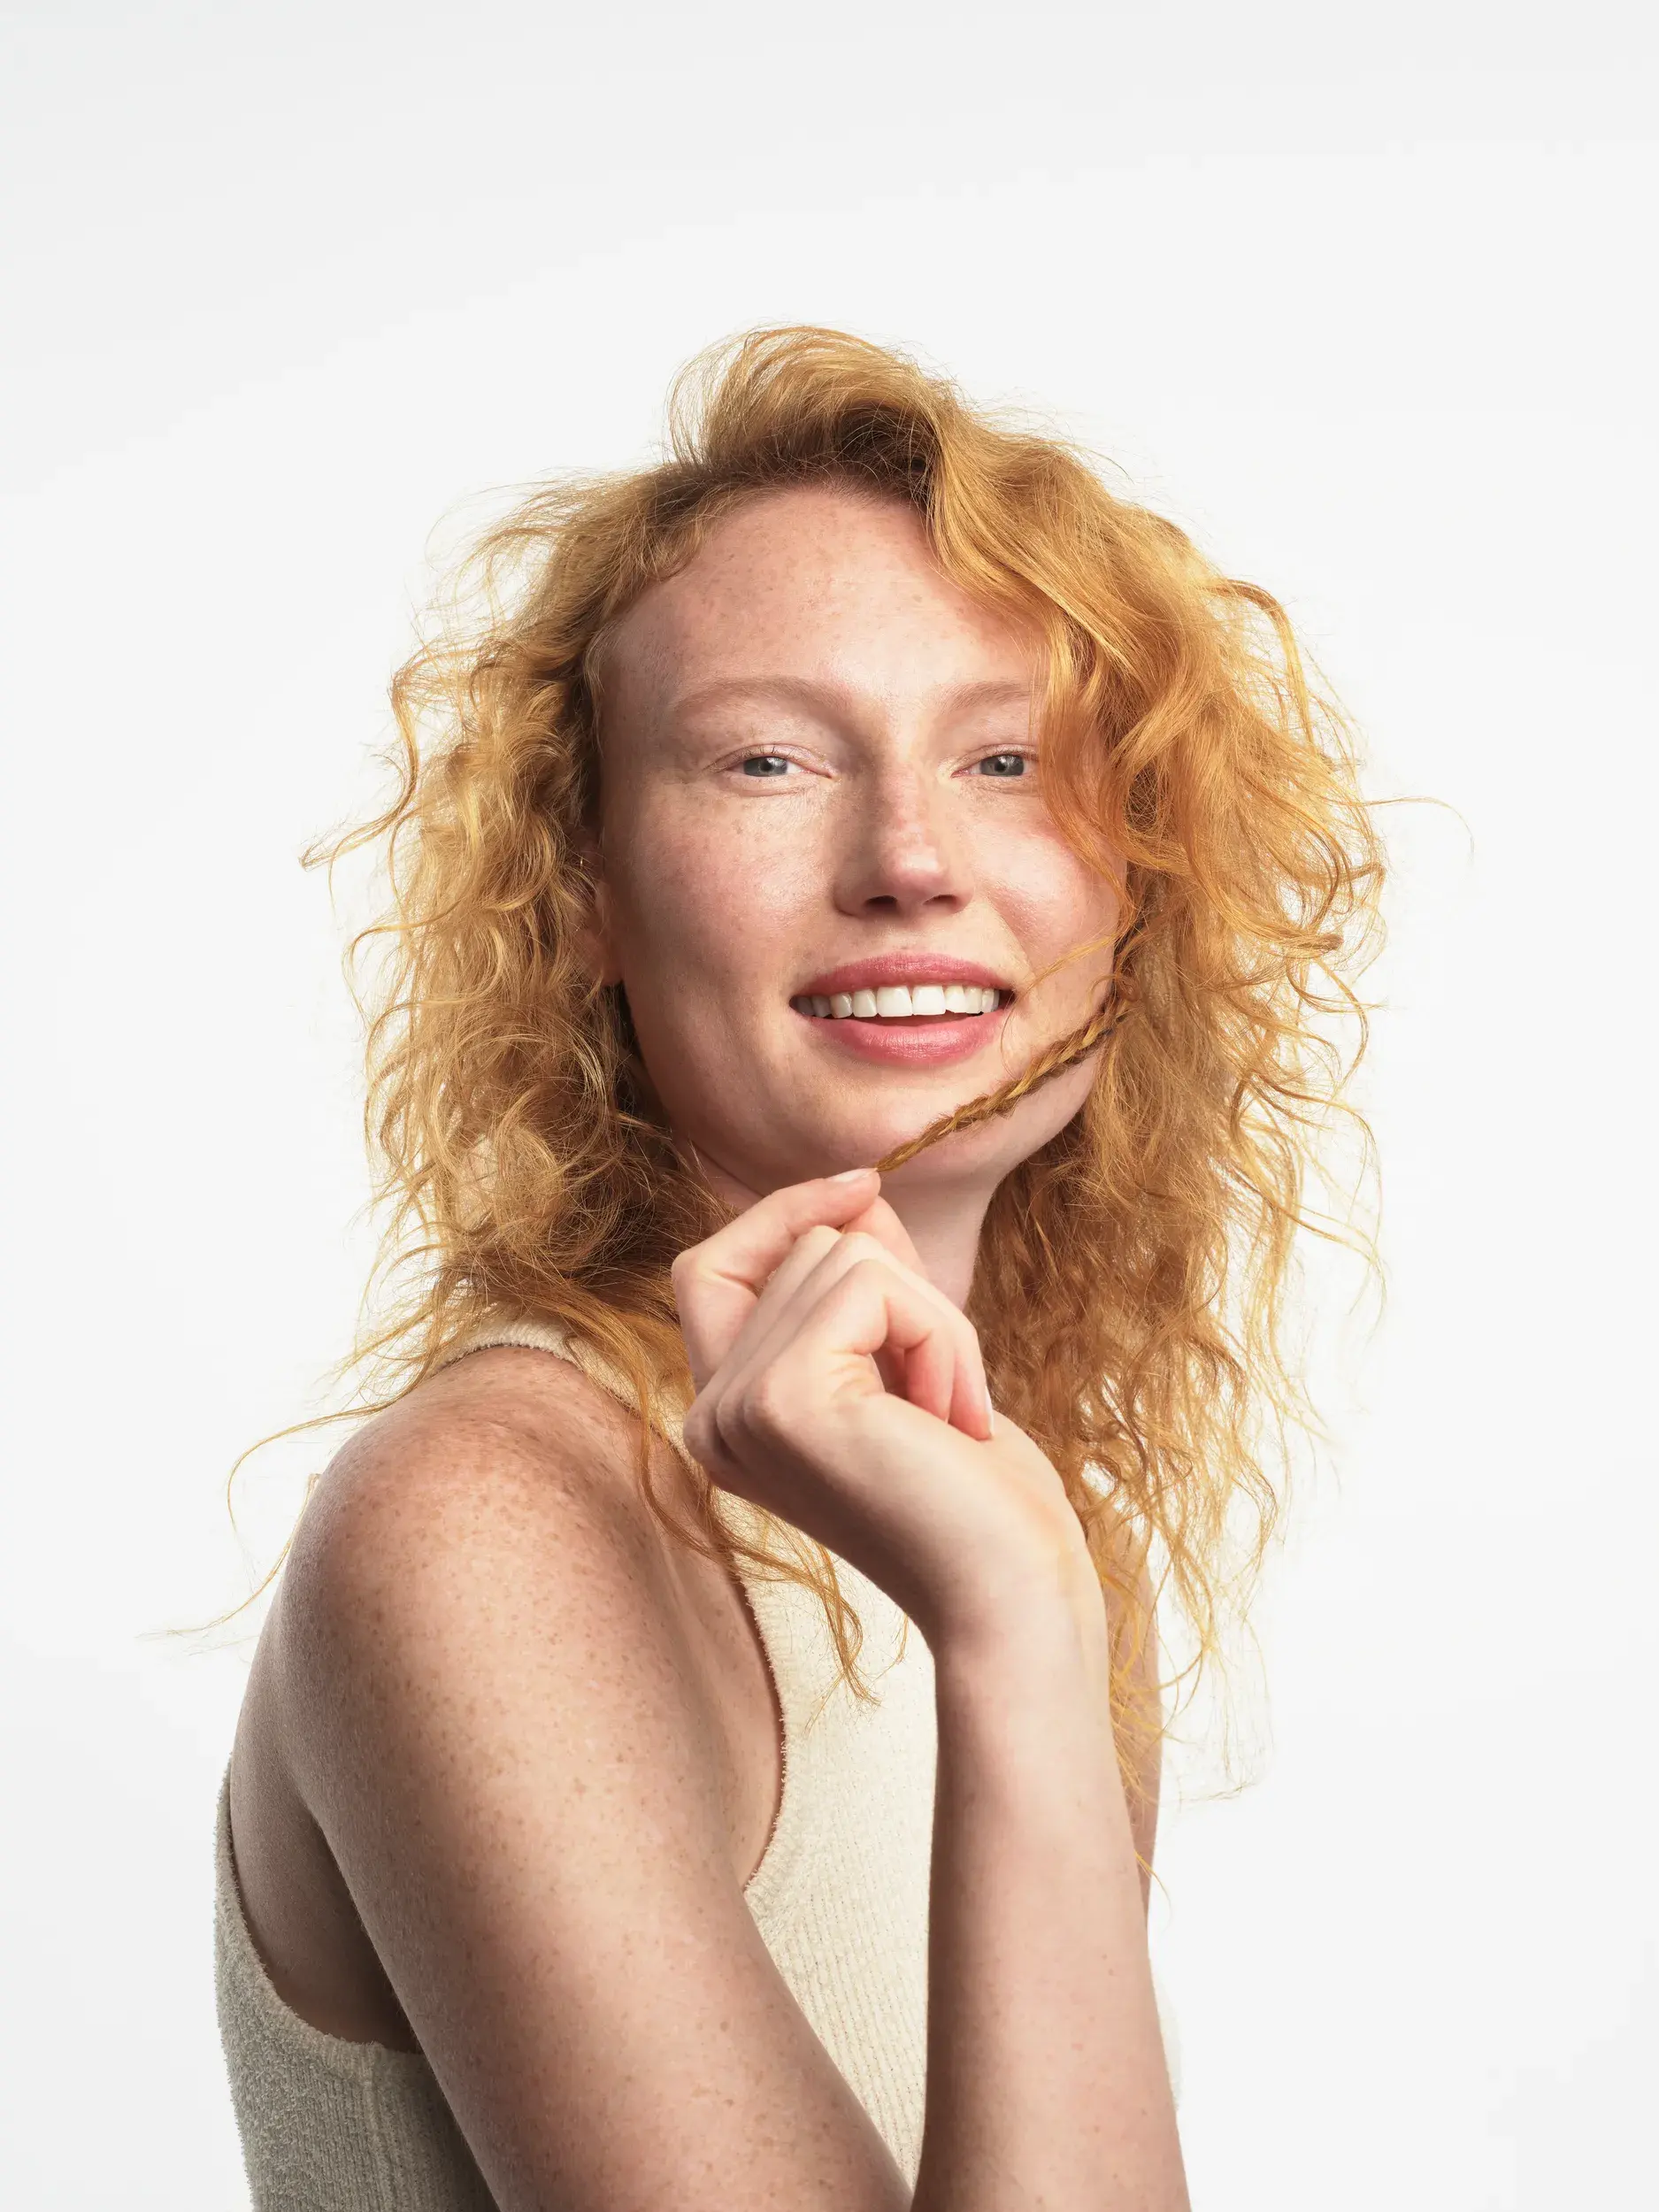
718,1283
839,1389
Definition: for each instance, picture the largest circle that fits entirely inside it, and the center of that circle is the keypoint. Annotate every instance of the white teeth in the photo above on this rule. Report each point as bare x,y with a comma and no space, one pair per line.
895,1001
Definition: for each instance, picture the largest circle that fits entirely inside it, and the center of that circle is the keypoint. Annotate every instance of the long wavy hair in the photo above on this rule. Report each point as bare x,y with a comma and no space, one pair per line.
1129,1291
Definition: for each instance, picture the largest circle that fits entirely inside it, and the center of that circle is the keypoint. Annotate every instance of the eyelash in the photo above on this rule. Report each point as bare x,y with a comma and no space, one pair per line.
1003,752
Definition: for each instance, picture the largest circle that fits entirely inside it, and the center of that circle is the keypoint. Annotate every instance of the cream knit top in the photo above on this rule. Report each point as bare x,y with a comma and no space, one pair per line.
840,1899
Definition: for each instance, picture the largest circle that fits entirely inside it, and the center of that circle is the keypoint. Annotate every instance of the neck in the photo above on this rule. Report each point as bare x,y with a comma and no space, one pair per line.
943,1221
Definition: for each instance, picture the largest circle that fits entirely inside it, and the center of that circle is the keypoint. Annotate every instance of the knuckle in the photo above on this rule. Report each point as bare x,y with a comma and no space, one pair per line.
699,1430
763,1409
694,1284
866,1250
714,1429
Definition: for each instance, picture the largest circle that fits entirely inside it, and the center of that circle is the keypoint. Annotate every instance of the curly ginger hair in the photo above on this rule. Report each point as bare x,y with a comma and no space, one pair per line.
1131,1280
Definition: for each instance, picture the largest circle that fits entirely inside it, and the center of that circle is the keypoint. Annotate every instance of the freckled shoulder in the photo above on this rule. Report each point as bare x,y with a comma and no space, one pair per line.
500,1430
496,1720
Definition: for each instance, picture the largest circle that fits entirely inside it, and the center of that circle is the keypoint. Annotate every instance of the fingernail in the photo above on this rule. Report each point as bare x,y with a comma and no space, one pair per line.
849,1175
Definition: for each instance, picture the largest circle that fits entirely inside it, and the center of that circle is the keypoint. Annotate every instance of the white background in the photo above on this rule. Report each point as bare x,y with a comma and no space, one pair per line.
1363,297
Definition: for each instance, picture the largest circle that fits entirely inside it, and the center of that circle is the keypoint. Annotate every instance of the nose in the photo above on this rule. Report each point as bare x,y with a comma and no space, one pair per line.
901,854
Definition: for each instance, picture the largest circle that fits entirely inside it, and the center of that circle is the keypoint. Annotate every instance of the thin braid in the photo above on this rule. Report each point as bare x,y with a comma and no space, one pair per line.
1063,1054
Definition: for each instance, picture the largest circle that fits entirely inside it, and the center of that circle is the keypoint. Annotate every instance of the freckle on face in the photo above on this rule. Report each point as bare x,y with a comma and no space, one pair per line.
813,628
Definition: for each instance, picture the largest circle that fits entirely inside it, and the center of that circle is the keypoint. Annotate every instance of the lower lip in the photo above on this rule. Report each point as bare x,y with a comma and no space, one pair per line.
920,1040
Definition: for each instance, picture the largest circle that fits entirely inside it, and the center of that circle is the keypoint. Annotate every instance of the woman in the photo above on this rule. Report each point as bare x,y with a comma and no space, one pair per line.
703,1749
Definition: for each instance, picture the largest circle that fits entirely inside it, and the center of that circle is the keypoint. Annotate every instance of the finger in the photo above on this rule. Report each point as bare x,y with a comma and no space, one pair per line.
948,1369
774,1315
871,1305
770,1323
944,1375
879,1221
807,1252
718,1282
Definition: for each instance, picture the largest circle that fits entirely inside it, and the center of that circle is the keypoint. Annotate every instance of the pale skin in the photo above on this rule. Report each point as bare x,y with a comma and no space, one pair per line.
508,1755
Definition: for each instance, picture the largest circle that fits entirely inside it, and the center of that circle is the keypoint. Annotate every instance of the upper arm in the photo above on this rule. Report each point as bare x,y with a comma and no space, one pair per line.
494,1721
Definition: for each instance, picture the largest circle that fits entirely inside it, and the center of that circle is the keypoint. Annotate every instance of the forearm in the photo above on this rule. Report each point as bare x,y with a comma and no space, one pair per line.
1046,2085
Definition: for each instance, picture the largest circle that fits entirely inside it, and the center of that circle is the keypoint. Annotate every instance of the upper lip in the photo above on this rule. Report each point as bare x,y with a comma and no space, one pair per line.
899,967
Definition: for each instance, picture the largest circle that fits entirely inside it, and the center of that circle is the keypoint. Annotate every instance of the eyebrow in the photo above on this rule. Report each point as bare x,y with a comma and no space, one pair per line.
799,691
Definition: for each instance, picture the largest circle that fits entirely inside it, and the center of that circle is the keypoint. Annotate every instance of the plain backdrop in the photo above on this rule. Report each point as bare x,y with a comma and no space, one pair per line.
1364,298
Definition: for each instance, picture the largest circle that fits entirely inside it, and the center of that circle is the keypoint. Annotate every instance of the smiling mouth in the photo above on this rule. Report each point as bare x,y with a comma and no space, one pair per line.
904,1003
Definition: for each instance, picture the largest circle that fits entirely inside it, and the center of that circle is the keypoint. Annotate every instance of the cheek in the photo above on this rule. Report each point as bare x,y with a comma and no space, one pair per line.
704,898
1055,903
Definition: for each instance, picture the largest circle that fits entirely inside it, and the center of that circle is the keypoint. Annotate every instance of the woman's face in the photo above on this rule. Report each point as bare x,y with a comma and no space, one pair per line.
825,846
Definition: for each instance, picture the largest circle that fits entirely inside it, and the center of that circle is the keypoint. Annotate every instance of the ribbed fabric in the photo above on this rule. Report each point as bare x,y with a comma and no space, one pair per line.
326,2126
840,1899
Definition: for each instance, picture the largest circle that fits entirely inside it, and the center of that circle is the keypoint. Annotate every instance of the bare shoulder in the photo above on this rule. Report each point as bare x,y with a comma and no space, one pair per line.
494,1719
464,1509
502,1433
495,1513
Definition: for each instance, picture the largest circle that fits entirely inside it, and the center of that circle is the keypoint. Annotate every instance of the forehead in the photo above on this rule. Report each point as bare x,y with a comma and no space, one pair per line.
816,585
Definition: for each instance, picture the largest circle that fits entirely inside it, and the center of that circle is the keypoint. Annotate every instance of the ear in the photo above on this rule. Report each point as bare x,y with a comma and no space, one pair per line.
596,934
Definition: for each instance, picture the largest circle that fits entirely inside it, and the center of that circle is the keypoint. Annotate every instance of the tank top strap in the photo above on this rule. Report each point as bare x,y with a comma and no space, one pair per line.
534,1333
522,1329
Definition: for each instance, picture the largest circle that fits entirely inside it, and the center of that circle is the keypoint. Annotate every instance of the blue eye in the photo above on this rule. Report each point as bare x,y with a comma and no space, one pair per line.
772,765
1008,766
